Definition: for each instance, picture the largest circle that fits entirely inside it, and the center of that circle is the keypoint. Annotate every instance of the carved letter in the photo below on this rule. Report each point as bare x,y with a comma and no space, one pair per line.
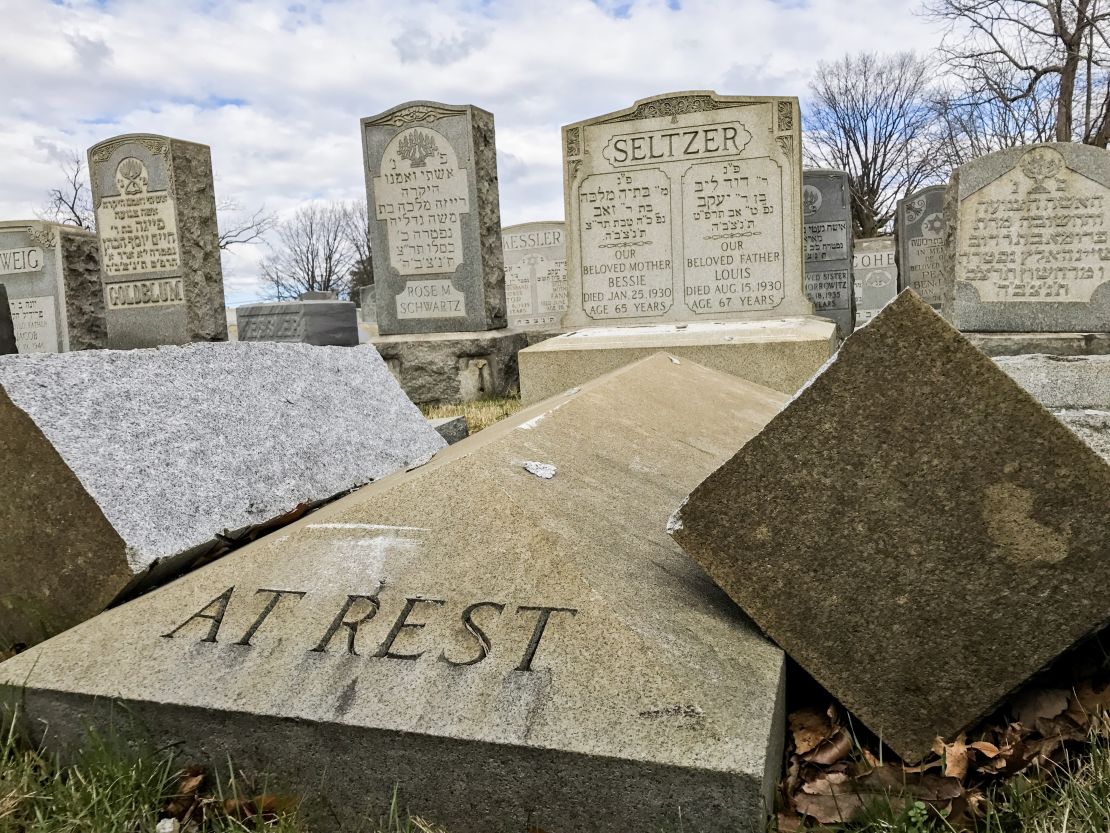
266,611
216,618
537,634
352,627
484,646
401,624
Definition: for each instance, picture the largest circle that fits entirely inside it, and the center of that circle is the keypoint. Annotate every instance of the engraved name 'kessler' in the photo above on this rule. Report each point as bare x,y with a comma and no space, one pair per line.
705,141
343,635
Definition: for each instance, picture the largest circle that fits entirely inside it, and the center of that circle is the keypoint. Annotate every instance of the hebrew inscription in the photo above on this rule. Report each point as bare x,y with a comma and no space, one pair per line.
36,324
138,228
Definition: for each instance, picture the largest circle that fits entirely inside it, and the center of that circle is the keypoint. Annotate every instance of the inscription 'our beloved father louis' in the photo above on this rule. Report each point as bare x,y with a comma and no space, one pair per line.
344,634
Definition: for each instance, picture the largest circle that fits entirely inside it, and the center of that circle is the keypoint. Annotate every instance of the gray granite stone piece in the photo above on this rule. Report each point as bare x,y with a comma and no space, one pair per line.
919,230
1026,240
7,329
1052,344
874,275
323,323
452,429
685,207
844,532
435,221
535,275
122,467
1062,382
827,218
493,645
318,295
454,367
52,275
156,221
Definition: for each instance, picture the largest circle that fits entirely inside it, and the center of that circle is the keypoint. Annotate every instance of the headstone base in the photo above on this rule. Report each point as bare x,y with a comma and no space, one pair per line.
454,367
779,353
1050,344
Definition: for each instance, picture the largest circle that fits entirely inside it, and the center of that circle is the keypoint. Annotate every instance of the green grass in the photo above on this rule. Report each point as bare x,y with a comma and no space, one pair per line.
480,414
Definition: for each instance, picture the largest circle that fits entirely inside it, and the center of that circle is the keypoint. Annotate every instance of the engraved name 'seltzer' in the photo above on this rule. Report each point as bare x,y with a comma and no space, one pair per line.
1038,233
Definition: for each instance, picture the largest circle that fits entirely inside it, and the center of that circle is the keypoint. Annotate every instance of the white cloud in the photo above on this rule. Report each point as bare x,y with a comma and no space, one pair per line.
277,89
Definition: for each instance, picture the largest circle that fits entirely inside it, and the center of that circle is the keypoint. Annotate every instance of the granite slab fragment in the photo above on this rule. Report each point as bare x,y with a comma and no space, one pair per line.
124,467
1062,382
452,429
915,529
497,646
323,322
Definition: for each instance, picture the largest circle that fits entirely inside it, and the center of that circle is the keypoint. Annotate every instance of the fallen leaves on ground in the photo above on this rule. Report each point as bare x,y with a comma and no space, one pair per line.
190,807
832,778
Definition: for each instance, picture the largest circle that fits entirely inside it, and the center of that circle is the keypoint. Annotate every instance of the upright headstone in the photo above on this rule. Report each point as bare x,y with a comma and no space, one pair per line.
156,219
122,467
52,276
685,207
7,330
827,214
1027,240
320,321
535,275
435,224
874,275
489,638
919,231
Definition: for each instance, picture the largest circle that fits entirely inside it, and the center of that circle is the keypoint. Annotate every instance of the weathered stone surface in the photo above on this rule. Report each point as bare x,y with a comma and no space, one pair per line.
684,207
435,221
875,276
827,217
1052,344
495,644
778,353
919,229
454,367
7,329
1026,240
535,275
368,307
318,295
122,467
325,323
914,513
1070,382
452,429
52,275
156,222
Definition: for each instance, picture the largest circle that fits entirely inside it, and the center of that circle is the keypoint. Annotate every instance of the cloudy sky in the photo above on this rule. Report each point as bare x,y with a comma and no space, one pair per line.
277,89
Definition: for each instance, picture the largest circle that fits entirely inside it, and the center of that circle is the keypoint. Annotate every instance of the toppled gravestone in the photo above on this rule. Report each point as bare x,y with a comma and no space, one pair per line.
497,640
122,468
914,529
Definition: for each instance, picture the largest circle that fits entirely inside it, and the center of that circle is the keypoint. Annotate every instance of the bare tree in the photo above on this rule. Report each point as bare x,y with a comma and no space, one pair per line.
312,251
1021,54
871,115
358,232
71,203
238,227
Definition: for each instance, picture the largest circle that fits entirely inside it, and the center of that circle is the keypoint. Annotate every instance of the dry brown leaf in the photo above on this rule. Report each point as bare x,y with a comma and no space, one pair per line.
954,755
830,751
1088,702
266,806
988,750
809,727
1038,704
788,823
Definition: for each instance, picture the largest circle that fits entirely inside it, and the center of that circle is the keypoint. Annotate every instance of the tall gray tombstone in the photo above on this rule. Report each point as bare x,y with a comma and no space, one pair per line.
875,275
1027,240
156,220
535,275
685,207
435,224
919,230
52,276
827,215
7,330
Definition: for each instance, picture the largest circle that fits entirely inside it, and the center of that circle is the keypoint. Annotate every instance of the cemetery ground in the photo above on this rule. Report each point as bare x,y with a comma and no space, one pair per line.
481,413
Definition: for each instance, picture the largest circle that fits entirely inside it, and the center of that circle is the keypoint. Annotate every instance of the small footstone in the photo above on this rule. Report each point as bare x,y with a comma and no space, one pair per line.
505,650
914,529
122,468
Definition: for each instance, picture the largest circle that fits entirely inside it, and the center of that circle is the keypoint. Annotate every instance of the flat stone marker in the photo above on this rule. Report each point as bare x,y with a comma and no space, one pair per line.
875,275
495,643
966,538
535,275
150,456
325,323
685,207
827,217
435,224
52,275
1028,240
920,235
7,330
156,220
